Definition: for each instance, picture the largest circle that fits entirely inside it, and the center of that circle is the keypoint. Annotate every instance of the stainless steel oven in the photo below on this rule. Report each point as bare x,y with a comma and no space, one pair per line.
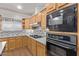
58,45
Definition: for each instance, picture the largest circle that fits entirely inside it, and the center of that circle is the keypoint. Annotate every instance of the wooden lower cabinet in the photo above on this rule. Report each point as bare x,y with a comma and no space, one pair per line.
18,42
25,41
34,47
11,43
14,42
40,49
29,43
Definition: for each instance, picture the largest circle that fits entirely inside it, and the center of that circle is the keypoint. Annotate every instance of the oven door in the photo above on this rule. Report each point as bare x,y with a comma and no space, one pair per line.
54,50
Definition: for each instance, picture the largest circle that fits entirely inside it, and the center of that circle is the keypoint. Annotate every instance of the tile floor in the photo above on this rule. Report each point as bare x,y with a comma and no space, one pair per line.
18,52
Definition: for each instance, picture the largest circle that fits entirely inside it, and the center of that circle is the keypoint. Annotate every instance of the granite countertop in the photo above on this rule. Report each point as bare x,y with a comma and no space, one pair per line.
22,33
41,40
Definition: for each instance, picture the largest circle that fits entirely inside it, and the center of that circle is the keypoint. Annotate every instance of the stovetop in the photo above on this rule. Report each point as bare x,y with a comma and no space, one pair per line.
36,36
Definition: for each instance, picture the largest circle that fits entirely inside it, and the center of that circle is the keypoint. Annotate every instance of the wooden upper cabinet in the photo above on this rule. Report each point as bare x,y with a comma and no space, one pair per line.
60,4
33,19
50,7
43,21
27,23
23,23
38,17
63,5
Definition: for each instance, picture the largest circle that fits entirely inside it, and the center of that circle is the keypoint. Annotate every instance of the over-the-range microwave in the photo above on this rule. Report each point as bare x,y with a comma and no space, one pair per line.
64,20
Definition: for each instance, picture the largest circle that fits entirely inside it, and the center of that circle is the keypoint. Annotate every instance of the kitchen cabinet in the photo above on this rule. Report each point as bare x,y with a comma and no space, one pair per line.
23,23
11,44
18,42
25,41
50,7
43,21
29,43
34,47
33,19
41,49
38,17
61,4
27,23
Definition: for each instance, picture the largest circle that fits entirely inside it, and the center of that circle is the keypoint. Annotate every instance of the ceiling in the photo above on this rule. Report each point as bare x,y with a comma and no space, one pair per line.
28,9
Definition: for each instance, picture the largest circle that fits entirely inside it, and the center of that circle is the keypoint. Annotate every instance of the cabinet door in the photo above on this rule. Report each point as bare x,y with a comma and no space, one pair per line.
18,42
33,47
11,44
29,43
60,4
38,18
25,41
41,51
33,19
23,23
43,21
27,24
51,7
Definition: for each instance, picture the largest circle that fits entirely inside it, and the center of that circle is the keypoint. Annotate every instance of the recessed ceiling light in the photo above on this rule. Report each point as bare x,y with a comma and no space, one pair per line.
19,7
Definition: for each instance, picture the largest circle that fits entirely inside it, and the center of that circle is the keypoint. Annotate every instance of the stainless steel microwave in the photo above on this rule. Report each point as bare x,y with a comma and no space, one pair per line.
64,20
